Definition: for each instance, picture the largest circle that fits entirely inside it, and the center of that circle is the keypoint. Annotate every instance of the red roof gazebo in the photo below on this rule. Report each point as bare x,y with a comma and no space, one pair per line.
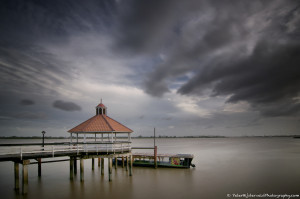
101,124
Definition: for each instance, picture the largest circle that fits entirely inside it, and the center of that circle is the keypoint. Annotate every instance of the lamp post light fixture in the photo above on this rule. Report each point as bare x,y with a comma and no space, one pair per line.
43,132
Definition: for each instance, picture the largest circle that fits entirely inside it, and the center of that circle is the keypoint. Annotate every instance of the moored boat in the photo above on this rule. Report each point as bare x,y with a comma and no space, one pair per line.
163,160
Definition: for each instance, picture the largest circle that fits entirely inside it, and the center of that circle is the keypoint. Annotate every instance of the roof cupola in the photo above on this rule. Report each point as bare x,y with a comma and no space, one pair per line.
101,109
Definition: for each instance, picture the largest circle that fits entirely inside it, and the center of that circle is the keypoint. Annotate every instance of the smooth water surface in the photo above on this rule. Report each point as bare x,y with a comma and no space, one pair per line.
223,166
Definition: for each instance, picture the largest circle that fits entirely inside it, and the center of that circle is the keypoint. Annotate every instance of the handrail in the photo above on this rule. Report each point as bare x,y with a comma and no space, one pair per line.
54,149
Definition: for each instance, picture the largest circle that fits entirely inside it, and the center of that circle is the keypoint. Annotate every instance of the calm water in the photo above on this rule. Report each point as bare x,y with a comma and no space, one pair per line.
223,166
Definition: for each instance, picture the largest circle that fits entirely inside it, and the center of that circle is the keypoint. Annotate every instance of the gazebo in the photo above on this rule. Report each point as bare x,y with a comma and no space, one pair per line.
103,125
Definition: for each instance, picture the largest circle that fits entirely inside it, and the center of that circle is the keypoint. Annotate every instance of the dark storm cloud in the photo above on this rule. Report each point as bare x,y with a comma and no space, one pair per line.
51,21
248,50
30,69
271,74
66,106
27,102
29,27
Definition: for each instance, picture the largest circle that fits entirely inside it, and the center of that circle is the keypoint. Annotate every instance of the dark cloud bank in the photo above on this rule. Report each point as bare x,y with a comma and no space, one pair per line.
248,50
66,106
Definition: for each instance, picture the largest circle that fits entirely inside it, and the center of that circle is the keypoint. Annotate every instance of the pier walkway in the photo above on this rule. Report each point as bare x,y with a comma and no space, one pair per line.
33,153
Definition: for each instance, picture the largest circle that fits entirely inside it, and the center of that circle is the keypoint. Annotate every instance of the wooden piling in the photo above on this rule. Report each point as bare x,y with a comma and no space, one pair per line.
17,181
102,166
109,168
25,176
71,168
75,165
116,162
93,164
130,165
39,167
126,163
81,170
155,157
99,160
123,162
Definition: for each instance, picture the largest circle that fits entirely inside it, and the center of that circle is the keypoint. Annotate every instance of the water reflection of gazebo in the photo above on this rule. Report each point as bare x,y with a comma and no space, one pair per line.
101,124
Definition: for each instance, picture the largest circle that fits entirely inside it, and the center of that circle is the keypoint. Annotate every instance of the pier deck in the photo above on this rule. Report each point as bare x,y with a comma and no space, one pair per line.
25,153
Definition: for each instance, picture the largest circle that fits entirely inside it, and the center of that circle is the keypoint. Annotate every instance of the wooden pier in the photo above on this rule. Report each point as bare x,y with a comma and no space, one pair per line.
34,154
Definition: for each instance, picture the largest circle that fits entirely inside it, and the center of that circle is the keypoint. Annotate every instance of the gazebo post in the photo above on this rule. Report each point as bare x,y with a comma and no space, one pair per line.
77,138
95,137
71,138
102,137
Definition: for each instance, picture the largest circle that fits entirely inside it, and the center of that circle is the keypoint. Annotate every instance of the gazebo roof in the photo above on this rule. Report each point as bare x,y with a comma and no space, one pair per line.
100,123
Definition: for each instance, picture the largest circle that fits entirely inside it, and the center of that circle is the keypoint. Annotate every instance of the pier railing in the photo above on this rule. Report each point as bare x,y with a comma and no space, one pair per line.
55,149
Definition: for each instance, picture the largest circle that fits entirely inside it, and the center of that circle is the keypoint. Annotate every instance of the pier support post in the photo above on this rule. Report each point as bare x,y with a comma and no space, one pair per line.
102,166
71,167
109,168
75,165
126,163
25,176
93,164
39,167
116,162
99,159
123,162
130,165
81,170
17,181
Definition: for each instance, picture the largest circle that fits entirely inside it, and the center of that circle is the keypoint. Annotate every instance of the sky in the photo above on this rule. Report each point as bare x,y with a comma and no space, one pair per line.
196,67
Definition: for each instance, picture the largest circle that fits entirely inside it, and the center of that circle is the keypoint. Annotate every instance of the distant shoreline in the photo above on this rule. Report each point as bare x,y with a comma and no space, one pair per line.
151,137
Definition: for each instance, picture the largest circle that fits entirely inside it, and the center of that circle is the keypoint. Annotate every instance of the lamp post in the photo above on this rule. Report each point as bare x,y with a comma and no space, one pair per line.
43,132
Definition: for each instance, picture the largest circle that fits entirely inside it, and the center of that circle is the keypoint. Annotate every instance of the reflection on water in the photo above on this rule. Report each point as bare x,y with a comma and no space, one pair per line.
223,166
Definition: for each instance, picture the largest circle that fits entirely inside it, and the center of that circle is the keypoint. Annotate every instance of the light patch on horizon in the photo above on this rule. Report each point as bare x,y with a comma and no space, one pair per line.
237,107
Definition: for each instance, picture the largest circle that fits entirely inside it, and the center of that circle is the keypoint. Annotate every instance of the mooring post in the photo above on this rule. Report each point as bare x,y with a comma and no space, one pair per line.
75,165
71,167
17,181
39,167
123,162
99,159
116,162
102,166
81,170
109,168
25,176
155,157
130,165
93,164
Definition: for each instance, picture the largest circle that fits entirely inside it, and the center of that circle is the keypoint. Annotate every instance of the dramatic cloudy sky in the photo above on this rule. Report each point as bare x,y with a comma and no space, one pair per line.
185,67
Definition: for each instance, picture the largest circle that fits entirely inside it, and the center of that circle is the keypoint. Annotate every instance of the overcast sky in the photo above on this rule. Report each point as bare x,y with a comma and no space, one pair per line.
191,67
